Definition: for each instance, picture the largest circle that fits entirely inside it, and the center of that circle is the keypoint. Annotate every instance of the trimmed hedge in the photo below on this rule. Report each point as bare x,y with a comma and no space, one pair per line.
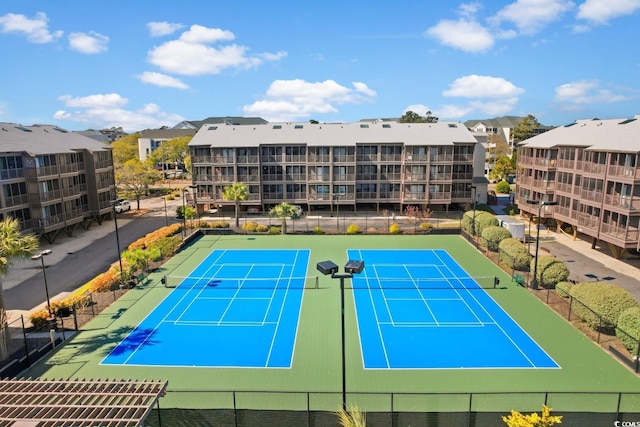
503,187
353,229
482,220
515,255
550,270
564,289
604,300
628,329
493,235
395,229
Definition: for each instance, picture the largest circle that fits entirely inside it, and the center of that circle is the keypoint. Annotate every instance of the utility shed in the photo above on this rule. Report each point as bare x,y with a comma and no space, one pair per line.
513,225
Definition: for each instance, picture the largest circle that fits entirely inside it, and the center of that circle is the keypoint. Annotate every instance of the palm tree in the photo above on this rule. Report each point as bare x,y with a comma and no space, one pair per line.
283,211
237,192
13,245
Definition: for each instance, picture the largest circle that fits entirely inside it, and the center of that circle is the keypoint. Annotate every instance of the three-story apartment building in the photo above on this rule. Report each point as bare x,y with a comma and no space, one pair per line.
591,169
52,179
373,165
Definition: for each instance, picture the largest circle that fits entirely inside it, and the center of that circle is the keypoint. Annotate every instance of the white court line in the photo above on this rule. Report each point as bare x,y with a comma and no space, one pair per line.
133,352
384,297
226,310
461,297
433,315
375,314
284,300
497,324
274,290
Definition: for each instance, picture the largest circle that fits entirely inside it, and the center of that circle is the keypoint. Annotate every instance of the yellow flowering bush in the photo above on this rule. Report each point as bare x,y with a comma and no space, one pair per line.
516,419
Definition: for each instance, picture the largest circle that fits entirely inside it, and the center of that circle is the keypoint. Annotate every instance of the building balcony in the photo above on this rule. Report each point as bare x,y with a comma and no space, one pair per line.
6,174
594,168
622,236
20,199
627,172
201,160
591,195
248,160
618,201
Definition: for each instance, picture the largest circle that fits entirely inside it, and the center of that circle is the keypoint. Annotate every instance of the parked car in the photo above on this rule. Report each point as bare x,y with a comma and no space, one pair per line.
122,205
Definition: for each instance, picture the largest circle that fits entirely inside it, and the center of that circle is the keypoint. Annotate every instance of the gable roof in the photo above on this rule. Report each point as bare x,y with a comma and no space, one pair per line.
44,139
594,134
231,120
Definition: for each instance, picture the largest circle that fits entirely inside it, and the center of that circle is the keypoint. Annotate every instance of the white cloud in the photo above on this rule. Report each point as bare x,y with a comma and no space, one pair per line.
109,100
464,34
290,100
486,96
192,53
531,16
602,11
36,30
586,92
158,29
474,86
162,80
99,111
89,43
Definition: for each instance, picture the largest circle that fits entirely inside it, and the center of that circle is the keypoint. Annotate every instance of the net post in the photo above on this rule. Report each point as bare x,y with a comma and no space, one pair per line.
317,280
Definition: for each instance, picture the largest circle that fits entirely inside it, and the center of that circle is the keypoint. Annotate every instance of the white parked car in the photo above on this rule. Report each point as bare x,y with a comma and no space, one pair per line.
122,205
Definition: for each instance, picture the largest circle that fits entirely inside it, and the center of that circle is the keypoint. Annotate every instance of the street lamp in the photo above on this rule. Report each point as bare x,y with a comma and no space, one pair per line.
534,282
350,268
166,218
40,256
184,216
115,221
195,203
473,224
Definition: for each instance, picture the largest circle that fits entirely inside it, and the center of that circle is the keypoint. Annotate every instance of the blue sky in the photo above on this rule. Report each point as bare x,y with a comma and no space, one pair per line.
144,64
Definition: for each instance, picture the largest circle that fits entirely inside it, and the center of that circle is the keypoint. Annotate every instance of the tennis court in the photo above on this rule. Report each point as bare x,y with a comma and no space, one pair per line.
419,309
237,308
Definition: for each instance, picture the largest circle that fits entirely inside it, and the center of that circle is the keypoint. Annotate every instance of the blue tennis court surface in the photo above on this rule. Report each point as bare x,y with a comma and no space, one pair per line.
238,308
418,309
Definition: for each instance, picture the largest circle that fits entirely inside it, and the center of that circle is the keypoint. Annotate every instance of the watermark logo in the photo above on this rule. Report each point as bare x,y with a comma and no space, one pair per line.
626,423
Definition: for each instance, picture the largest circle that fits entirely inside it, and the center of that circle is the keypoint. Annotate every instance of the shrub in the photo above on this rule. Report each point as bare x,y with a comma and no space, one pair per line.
318,230
353,229
605,301
482,220
250,227
395,229
426,226
219,224
628,329
493,235
550,270
275,230
564,289
514,254
261,228
104,282
39,318
503,187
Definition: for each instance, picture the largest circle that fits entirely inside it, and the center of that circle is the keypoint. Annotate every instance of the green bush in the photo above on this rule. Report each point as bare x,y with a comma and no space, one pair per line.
550,270
395,229
628,329
353,229
514,254
250,227
493,235
318,230
426,226
275,230
503,187
604,300
564,289
482,220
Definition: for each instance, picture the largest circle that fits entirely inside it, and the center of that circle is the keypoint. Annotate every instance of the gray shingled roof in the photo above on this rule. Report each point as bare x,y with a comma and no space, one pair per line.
607,135
44,139
167,133
441,133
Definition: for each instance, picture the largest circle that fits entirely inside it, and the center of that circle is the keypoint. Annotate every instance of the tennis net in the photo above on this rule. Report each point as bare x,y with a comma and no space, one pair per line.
192,282
464,283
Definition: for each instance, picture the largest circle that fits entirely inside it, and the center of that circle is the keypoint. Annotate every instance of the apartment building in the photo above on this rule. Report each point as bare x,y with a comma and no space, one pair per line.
591,169
352,166
53,179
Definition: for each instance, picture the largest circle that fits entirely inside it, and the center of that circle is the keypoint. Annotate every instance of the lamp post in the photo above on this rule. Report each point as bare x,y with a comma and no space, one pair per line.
115,221
473,224
195,203
350,268
40,256
184,216
534,282
166,218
